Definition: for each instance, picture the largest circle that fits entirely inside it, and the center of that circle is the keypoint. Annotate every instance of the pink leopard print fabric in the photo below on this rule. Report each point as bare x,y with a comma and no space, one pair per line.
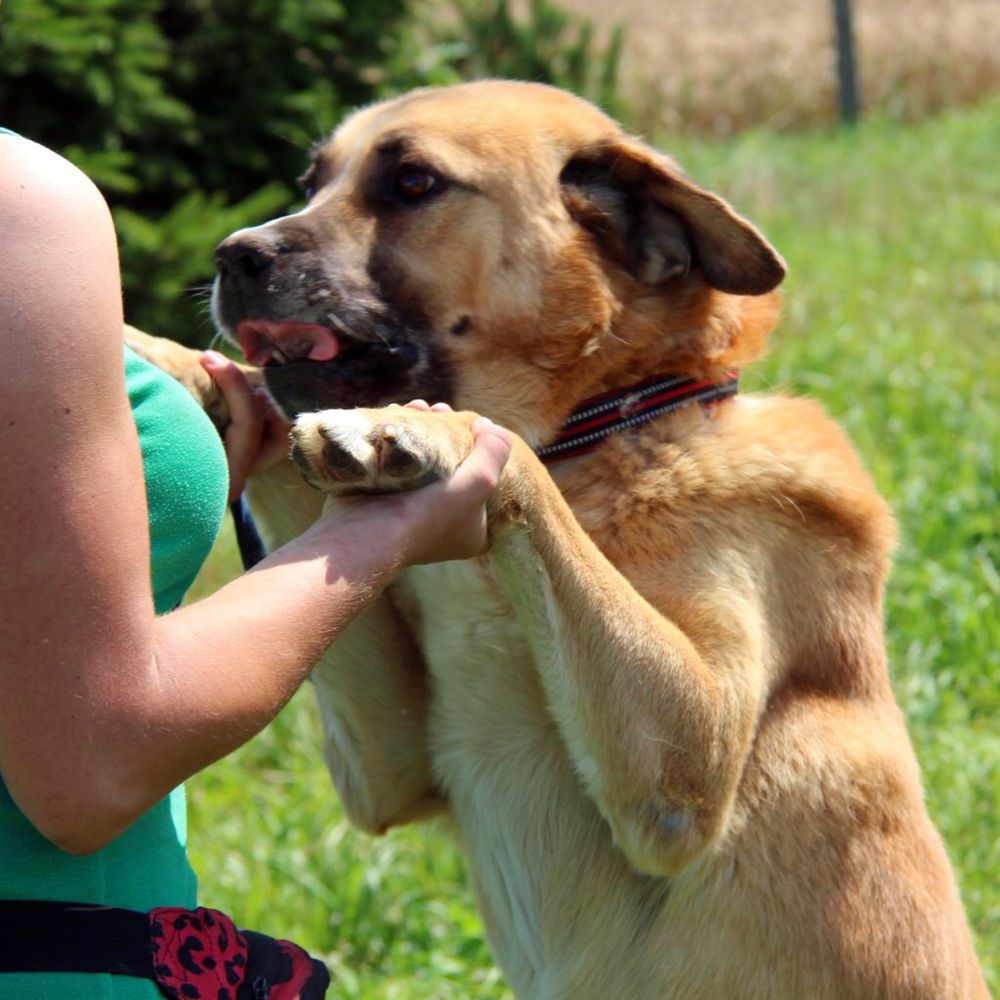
197,954
201,955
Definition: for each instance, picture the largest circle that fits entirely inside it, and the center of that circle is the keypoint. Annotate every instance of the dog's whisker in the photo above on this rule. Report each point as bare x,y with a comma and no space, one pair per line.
381,336
336,321
198,292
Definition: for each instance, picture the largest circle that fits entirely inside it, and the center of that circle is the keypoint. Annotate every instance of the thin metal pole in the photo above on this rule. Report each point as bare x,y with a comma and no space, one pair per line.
847,79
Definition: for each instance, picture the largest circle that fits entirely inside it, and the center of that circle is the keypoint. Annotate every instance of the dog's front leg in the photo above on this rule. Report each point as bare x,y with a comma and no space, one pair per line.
370,684
371,689
658,725
658,722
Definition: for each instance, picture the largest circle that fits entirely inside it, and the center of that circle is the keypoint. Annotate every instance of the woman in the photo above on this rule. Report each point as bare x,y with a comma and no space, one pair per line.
107,702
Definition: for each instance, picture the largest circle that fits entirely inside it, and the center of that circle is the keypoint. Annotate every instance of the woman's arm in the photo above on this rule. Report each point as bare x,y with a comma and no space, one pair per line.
103,706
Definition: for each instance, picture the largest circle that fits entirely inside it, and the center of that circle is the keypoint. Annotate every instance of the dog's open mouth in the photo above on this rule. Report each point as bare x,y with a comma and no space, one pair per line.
311,366
265,342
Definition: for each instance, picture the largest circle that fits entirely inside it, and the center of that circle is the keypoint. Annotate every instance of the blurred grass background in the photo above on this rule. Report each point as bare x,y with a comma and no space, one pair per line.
892,320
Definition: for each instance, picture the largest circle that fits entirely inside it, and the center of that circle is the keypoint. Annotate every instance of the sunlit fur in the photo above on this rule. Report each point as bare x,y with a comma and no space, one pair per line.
659,711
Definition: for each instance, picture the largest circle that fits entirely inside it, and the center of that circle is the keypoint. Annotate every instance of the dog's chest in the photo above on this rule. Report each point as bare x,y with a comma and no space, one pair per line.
486,695
537,845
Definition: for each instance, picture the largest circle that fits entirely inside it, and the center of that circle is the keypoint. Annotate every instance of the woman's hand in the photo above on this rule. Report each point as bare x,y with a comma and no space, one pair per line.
257,435
448,519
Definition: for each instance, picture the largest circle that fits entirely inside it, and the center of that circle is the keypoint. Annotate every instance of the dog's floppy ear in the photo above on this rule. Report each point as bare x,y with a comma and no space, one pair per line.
659,224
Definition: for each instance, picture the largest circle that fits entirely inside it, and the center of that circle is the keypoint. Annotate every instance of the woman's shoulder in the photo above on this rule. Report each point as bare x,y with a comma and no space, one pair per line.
58,266
43,192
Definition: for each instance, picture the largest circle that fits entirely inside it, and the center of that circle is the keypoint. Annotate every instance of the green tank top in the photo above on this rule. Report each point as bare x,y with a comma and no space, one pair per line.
186,485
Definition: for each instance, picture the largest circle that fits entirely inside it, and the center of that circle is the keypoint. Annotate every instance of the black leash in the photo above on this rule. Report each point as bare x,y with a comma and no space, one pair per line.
251,545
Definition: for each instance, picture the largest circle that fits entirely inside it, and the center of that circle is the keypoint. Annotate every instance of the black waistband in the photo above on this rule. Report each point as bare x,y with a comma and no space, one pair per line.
43,936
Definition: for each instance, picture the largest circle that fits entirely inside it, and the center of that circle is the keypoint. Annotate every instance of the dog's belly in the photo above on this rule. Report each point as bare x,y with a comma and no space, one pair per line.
565,914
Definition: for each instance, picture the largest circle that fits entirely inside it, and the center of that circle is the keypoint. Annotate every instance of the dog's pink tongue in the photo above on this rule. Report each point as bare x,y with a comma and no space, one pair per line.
259,338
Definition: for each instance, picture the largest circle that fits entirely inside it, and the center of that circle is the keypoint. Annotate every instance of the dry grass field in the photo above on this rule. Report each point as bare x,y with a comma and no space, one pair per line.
718,66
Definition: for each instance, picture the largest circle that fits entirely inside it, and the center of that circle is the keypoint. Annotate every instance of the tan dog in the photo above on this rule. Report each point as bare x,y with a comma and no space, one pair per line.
659,711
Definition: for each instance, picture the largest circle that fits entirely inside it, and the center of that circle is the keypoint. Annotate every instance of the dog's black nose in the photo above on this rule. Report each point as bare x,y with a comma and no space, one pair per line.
245,254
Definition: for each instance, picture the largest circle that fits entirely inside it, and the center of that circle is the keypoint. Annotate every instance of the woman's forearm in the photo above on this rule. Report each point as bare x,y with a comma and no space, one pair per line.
219,670
215,673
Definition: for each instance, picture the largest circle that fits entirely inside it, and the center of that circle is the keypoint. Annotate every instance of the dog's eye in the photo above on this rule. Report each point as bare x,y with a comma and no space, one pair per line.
414,184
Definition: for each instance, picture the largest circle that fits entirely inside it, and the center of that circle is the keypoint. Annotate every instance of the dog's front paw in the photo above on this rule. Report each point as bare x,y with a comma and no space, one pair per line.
379,451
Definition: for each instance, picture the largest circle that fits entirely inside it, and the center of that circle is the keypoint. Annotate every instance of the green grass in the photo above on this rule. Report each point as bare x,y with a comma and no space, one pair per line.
892,235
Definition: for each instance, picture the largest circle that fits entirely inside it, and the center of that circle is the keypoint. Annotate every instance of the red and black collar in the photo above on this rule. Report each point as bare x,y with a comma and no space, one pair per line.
620,409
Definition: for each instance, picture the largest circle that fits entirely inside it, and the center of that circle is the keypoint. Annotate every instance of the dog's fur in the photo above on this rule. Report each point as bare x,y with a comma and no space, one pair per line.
659,710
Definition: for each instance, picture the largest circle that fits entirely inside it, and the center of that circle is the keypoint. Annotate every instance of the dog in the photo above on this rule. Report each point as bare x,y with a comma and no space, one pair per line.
658,711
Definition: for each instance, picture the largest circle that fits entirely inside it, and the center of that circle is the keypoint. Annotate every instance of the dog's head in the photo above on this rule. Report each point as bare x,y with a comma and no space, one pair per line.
501,246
